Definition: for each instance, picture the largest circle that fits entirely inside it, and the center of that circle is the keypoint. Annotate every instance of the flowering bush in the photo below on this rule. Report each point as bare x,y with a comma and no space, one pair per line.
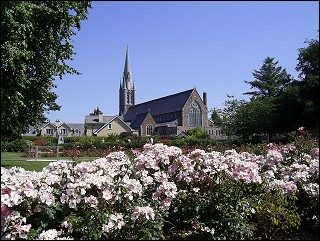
161,192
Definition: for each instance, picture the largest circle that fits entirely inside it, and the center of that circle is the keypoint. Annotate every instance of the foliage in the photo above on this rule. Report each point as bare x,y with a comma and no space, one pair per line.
35,45
279,103
299,103
197,133
216,117
270,79
96,111
19,145
229,115
309,87
160,192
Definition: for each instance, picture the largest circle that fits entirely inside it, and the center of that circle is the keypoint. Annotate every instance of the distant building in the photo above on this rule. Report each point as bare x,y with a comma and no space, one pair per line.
61,129
99,125
169,115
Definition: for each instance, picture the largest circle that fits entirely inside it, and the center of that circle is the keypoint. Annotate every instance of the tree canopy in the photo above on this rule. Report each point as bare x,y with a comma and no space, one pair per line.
96,111
35,45
270,79
280,103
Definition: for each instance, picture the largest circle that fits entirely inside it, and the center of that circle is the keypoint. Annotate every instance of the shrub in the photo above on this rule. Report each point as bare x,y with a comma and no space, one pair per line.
19,145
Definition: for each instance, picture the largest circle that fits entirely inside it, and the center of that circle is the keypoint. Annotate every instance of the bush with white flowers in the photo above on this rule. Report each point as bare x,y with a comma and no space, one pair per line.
161,193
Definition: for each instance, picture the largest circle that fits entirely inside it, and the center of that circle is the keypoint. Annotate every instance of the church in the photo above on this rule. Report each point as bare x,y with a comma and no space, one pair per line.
169,115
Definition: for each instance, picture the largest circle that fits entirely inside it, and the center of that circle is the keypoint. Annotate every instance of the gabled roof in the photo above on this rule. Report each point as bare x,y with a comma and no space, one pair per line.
167,104
75,126
47,124
65,125
138,120
114,117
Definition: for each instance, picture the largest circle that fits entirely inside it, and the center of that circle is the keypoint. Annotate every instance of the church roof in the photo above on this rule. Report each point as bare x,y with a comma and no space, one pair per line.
167,104
138,120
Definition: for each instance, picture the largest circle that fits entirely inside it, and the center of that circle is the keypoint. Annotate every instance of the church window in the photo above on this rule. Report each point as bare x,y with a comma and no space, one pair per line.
195,115
128,97
149,130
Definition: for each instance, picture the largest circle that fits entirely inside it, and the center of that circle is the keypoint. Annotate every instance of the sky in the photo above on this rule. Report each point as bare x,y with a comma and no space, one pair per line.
175,46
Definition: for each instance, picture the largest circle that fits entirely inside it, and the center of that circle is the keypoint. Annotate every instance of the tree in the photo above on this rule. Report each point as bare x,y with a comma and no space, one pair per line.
35,45
308,66
216,116
96,112
299,104
270,80
261,112
230,123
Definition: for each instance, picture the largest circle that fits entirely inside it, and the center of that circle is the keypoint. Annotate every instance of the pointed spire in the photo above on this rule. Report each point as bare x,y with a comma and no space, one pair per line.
127,69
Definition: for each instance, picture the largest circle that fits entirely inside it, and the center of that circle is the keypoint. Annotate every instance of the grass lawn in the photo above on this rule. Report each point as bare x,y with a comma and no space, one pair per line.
11,159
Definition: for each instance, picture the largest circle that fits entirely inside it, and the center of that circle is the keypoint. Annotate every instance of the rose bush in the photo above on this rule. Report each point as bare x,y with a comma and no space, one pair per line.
161,192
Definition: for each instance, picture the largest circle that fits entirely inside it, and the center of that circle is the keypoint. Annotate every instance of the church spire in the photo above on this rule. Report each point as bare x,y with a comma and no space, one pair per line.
127,69
127,89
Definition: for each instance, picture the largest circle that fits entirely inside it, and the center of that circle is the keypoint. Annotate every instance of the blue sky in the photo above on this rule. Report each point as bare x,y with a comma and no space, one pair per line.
175,46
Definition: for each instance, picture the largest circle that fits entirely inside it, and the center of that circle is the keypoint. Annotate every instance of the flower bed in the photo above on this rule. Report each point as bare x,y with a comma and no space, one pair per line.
162,192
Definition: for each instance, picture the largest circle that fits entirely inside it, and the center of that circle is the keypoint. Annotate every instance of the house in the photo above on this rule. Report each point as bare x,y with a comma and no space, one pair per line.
62,129
99,125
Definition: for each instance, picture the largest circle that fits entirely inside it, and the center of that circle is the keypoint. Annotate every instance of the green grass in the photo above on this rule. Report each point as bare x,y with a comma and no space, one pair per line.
30,166
11,159
12,155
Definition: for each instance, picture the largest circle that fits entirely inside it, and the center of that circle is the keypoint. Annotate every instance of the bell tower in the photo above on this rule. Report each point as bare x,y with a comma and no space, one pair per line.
127,92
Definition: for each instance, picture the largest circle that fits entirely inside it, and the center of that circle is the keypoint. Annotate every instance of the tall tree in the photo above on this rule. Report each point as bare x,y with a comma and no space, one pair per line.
299,104
270,79
308,66
35,45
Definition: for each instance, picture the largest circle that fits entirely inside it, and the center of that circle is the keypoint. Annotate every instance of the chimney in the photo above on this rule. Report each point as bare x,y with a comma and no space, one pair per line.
57,123
205,98
100,117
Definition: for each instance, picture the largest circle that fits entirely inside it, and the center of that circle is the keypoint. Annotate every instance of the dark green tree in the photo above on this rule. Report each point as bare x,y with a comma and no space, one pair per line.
257,116
35,45
308,66
96,111
299,104
270,79
262,112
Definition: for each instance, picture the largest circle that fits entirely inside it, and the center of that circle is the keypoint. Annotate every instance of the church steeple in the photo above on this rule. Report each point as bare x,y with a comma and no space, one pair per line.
127,70
127,89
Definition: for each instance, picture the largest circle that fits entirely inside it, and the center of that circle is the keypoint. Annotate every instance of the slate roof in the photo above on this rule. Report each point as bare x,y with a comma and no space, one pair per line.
74,126
168,123
137,121
167,104
93,119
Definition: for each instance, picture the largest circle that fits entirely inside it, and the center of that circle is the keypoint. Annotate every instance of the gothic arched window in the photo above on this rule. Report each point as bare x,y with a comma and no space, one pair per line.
149,130
195,115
